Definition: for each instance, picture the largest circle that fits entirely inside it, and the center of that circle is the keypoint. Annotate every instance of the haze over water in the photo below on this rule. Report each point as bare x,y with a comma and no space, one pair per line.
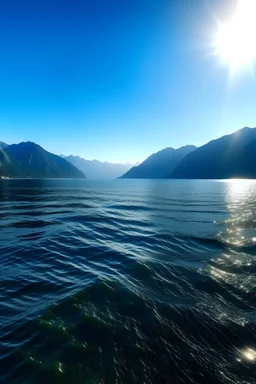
127,281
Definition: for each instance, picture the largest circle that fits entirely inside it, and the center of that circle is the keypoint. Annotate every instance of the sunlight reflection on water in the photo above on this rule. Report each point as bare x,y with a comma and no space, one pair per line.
249,354
234,266
240,226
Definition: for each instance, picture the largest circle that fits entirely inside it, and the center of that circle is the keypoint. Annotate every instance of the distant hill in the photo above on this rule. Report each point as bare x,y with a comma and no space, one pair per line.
231,156
94,169
30,160
160,164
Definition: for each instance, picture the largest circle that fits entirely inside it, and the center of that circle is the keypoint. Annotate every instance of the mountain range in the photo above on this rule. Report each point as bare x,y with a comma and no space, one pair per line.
160,164
94,169
231,156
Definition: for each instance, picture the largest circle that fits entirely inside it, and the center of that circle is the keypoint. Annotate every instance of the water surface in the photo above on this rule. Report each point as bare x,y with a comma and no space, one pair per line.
127,281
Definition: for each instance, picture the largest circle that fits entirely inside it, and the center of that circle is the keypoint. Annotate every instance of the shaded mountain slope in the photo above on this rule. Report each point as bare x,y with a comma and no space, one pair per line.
3,145
30,160
231,156
9,166
160,164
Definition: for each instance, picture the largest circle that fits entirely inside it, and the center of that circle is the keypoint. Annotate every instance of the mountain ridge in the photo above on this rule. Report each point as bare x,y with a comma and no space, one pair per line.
28,159
229,156
159,164
95,169
222,158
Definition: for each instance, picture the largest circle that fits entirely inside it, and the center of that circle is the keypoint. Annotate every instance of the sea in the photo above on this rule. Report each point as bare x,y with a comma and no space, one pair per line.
127,281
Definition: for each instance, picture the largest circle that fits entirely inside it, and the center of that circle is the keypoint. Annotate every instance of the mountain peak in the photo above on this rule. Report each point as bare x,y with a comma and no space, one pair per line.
30,144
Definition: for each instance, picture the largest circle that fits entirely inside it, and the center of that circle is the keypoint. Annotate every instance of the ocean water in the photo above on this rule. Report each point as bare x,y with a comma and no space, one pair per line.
127,281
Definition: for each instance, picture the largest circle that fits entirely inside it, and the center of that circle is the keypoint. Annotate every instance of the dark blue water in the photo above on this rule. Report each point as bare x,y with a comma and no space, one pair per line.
127,281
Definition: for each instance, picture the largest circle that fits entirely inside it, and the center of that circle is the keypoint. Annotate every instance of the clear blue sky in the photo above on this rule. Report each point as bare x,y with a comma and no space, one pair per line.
117,79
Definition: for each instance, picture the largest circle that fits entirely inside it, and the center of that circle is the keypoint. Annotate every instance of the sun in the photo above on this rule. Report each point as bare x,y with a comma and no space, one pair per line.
236,39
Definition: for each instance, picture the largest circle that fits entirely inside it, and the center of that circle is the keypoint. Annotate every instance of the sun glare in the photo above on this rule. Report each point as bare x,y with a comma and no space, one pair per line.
236,39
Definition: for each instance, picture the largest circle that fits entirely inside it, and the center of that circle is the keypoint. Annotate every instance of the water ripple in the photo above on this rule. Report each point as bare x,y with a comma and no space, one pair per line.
127,282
